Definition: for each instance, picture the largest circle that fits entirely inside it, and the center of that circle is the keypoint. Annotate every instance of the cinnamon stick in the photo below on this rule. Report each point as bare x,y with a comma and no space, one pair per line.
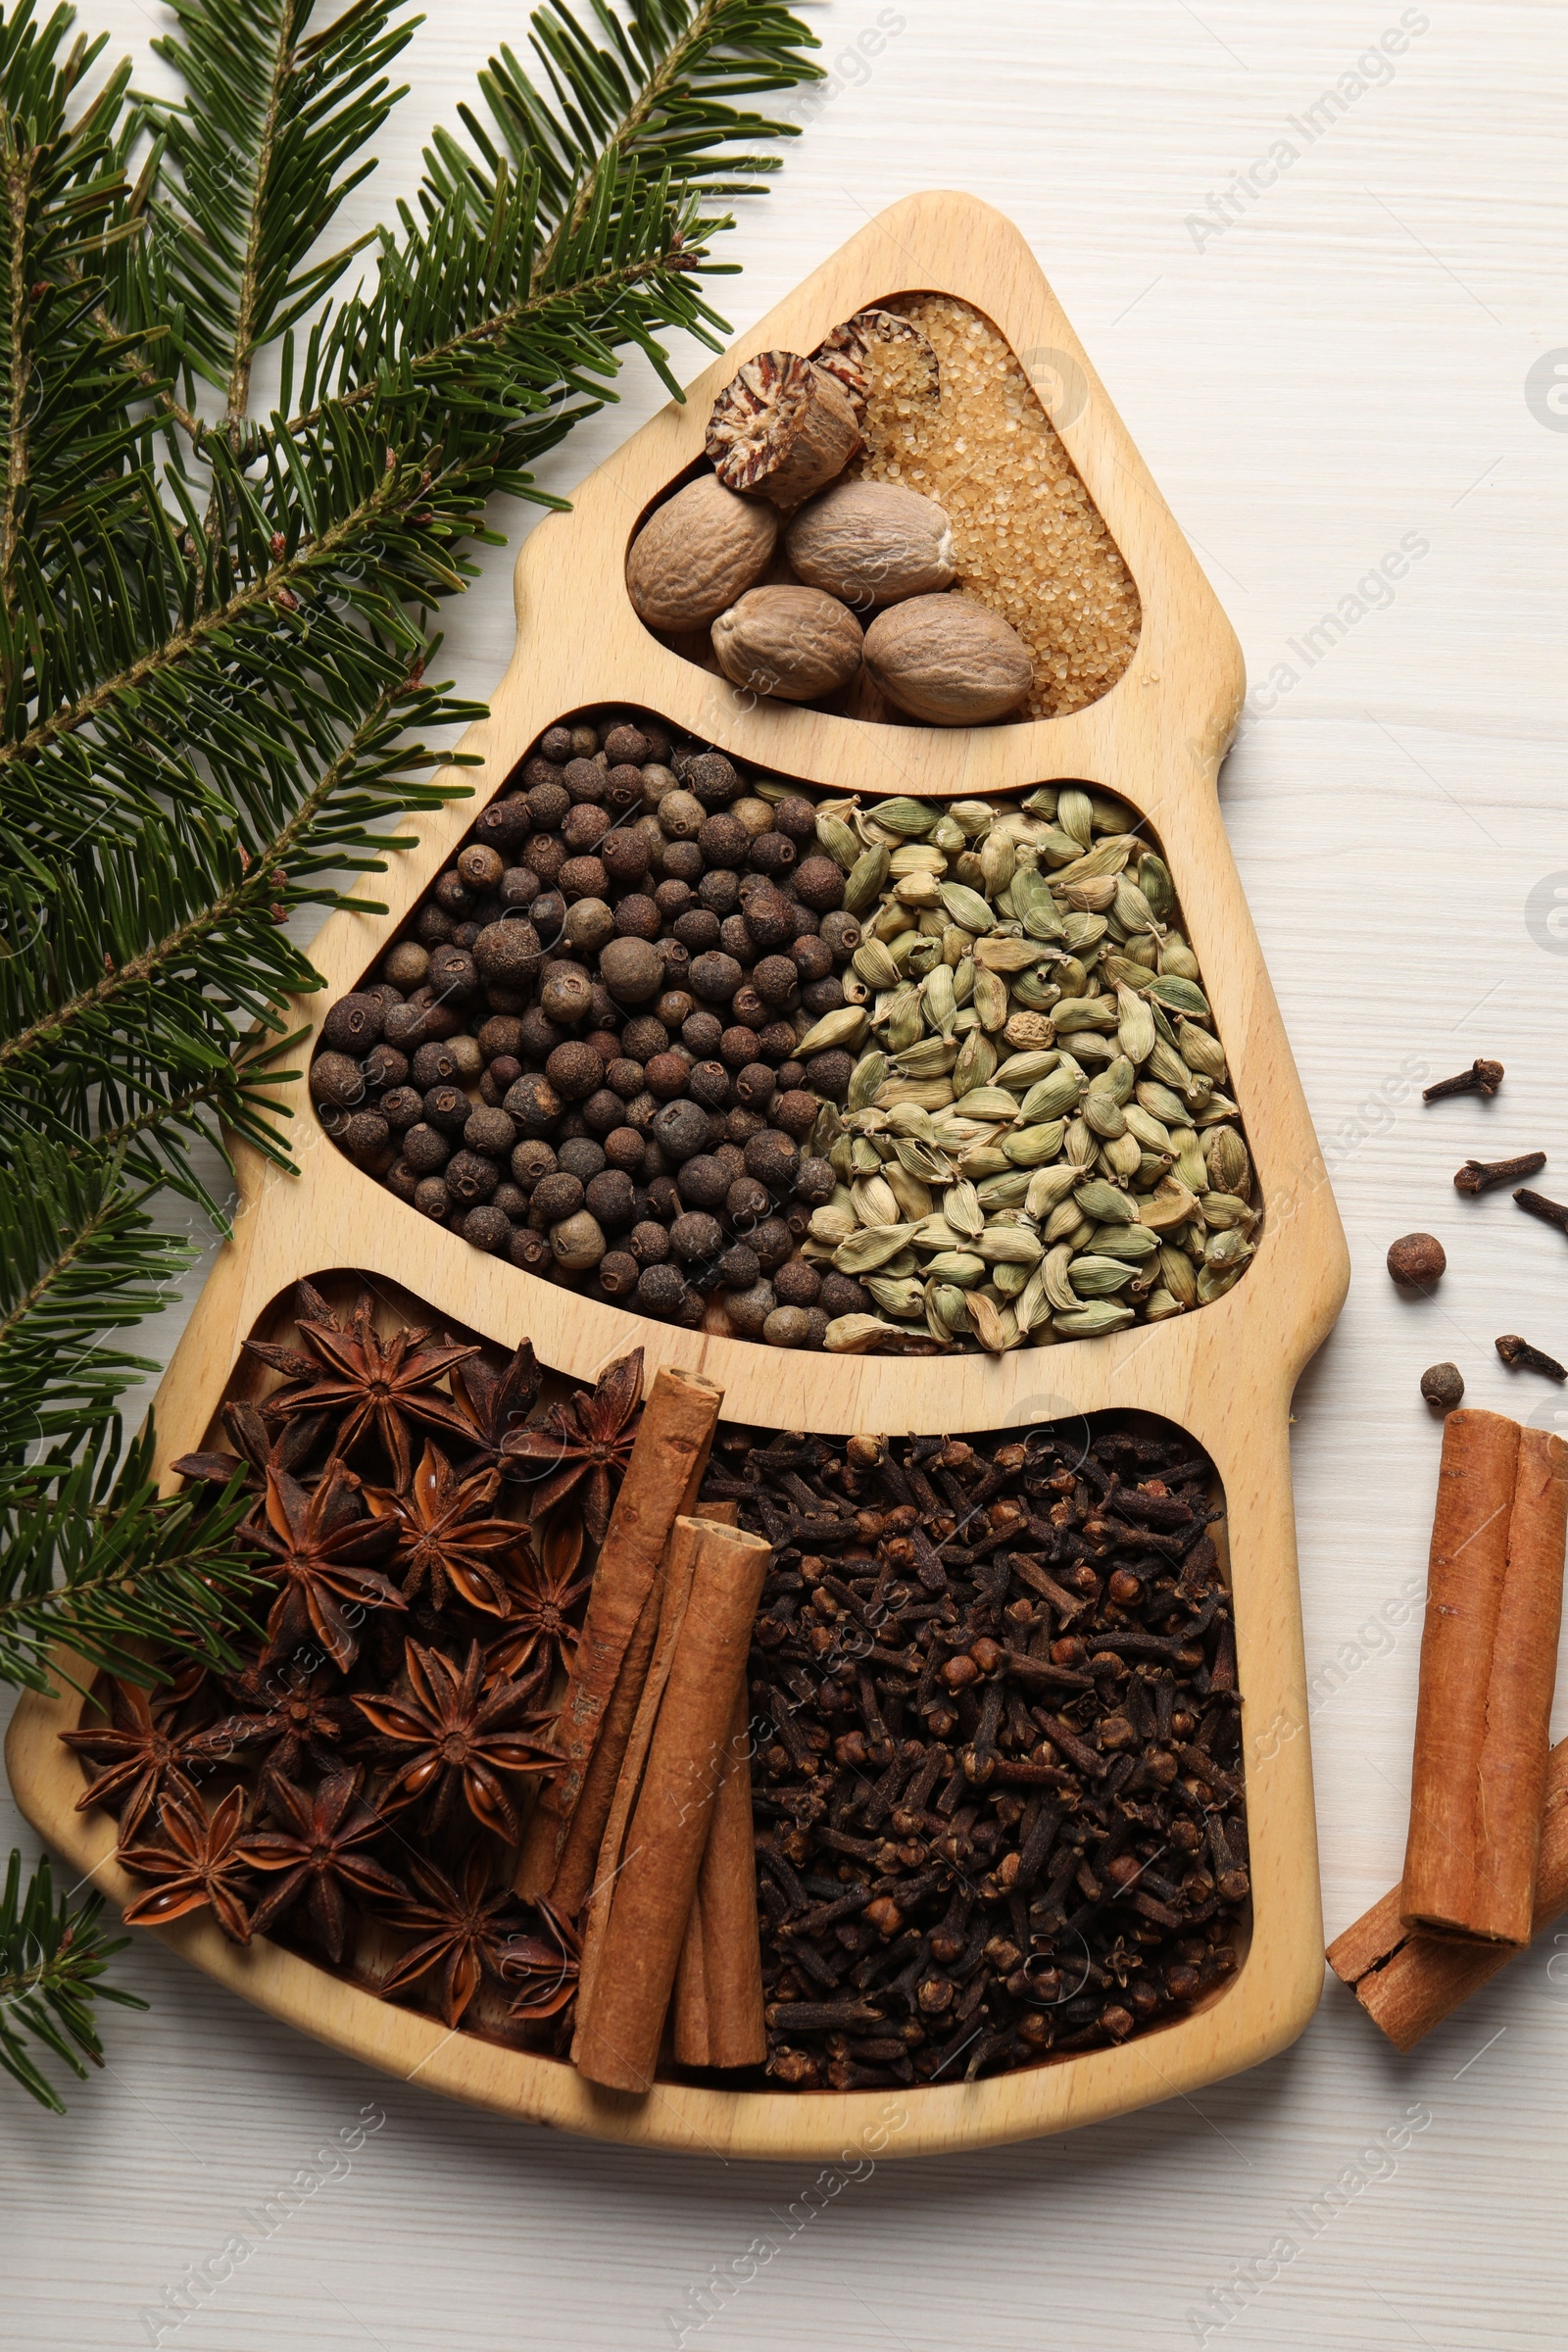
654,1846
663,1476
1409,1982
718,1984
1489,1650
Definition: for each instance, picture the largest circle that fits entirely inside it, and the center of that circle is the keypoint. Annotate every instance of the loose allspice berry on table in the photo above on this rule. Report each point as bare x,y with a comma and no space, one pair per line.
1416,1259
1443,1385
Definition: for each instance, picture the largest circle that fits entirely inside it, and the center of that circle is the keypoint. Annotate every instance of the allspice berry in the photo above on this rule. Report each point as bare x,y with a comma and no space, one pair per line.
1417,1259
1443,1385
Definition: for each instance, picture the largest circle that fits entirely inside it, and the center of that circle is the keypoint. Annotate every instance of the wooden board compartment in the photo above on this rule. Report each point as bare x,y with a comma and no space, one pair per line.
1225,1374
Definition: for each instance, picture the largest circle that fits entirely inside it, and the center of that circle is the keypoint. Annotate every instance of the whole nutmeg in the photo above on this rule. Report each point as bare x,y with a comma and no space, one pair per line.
1417,1259
577,1243
872,542
697,553
1443,1385
788,643
948,660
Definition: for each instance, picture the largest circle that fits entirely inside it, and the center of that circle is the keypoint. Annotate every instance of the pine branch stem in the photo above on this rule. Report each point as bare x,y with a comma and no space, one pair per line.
178,942
182,642
18,193
651,94
111,1205
239,378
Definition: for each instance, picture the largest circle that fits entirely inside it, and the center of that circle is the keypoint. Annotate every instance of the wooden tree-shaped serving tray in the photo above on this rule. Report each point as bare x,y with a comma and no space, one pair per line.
1224,1372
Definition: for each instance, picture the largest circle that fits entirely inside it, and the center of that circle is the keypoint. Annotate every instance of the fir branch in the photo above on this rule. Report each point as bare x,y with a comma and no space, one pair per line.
52,1963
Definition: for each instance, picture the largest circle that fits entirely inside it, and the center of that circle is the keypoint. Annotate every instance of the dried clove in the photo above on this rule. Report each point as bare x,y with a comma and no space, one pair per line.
1520,1356
1481,1175
1481,1078
1536,1205
981,1731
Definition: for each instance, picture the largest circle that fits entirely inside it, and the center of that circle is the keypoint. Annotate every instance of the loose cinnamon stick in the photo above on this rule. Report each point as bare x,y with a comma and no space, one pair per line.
654,1847
718,1984
661,1479
1489,1650
576,1857
1409,1982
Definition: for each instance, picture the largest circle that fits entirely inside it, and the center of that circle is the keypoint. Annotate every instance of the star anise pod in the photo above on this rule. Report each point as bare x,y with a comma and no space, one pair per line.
584,1446
257,1450
288,1717
539,1630
545,1967
196,1861
461,1929
143,1751
493,1402
318,1850
450,1733
446,1540
369,1383
320,1545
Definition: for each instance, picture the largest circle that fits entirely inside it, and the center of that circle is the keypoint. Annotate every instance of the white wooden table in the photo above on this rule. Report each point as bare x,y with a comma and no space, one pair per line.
1331,363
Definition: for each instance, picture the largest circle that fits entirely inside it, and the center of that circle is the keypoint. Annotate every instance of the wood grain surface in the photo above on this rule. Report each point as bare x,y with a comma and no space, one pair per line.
1336,366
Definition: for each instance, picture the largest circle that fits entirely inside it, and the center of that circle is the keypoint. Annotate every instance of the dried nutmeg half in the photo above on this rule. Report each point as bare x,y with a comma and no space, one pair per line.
846,353
793,643
782,428
695,554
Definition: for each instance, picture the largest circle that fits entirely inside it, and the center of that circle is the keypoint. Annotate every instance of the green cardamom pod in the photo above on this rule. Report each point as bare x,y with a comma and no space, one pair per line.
1047,1187
1076,1014
966,906
1105,1204
864,1157
1176,958
1160,1104
962,1208
1054,1096
1010,1281
996,1327
1081,932
1153,880
1135,1028
1081,1146
1090,1322
1053,1272
1098,1277
1159,1307
1223,1213
973,817
1225,1156
1103,1114
999,863
1201,1051
839,842
975,1064
1131,908
872,1247
866,880
959,1266
1033,991
946,1300
875,965
869,1073
1227,1248
945,835
1009,1244
1008,1191
847,1026
1214,1281
1031,1306
1122,1157
1179,996
841,1158
1034,905
1150,1132
857,1335
912,820
1075,815
941,1000
905,1021
990,1000
903,1297
1068,1227
1035,1146
1177,1273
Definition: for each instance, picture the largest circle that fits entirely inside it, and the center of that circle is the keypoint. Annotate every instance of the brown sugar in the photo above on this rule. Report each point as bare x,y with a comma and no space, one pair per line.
1029,540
